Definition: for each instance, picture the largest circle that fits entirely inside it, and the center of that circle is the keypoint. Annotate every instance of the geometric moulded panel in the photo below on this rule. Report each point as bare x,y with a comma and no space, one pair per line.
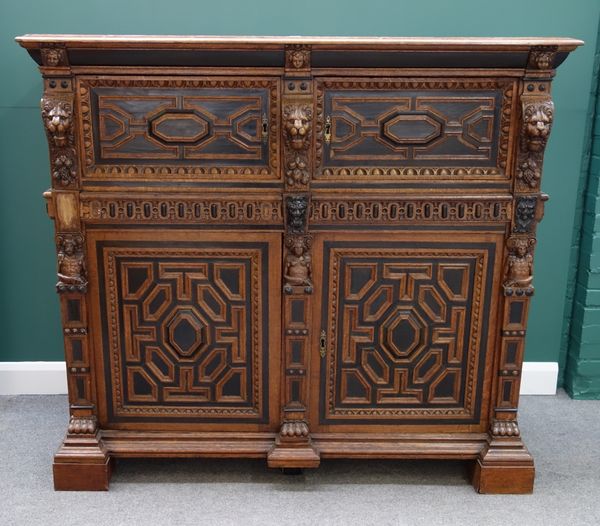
404,128
404,348
185,335
137,128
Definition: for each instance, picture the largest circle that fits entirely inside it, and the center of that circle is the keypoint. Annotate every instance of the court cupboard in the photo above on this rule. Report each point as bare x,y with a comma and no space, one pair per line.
295,248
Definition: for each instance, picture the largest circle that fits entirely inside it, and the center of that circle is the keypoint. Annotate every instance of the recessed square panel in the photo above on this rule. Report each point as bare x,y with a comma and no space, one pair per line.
408,326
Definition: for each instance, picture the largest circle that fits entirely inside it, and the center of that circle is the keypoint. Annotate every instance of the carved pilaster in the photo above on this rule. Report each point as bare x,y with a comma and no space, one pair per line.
81,462
505,462
293,447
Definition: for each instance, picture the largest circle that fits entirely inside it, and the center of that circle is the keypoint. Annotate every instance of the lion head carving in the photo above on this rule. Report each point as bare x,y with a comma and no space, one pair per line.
537,121
57,118
297,125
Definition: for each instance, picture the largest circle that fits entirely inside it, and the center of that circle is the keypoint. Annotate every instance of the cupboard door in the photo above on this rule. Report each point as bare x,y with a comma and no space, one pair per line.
408,321
417,130
188,330
164,130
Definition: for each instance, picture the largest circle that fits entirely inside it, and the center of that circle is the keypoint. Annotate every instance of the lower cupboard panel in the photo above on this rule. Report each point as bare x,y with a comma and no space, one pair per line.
188,330
409,325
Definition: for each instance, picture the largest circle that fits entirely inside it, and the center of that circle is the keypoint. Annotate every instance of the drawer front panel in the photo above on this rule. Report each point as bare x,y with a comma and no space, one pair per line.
184,328
169,129
408,329
402,129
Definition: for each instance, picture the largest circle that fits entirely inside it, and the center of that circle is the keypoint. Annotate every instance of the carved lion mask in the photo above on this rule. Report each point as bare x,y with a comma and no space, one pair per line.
58,121
297,125
538,121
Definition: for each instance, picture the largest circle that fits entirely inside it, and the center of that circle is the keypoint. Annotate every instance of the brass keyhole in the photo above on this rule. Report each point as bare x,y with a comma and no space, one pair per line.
323,343
265,128
328,129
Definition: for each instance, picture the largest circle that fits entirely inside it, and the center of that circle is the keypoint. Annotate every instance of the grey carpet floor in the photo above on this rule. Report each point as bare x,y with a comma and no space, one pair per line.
562,434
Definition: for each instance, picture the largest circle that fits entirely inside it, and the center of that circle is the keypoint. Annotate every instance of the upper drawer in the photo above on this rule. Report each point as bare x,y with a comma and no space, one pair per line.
149,131
413,132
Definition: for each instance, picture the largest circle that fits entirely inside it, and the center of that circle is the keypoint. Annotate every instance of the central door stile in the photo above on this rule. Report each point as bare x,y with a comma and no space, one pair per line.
293,446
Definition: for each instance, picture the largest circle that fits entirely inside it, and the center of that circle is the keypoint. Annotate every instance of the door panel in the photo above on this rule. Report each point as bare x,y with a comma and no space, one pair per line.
405,317
393,129
166,130
189,327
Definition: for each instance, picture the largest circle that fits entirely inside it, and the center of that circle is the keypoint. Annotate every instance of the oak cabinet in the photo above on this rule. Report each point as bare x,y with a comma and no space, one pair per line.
295,248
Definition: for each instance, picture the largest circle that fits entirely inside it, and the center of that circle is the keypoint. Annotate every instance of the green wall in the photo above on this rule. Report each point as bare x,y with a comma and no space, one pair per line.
29,322
582,361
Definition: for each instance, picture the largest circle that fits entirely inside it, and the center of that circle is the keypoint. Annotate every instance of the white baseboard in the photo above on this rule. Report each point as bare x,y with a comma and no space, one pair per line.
33,378
539,378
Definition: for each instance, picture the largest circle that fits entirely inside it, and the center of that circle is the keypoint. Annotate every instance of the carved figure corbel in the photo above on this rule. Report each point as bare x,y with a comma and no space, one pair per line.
535,129
298,127
297,270
519,266
72,274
